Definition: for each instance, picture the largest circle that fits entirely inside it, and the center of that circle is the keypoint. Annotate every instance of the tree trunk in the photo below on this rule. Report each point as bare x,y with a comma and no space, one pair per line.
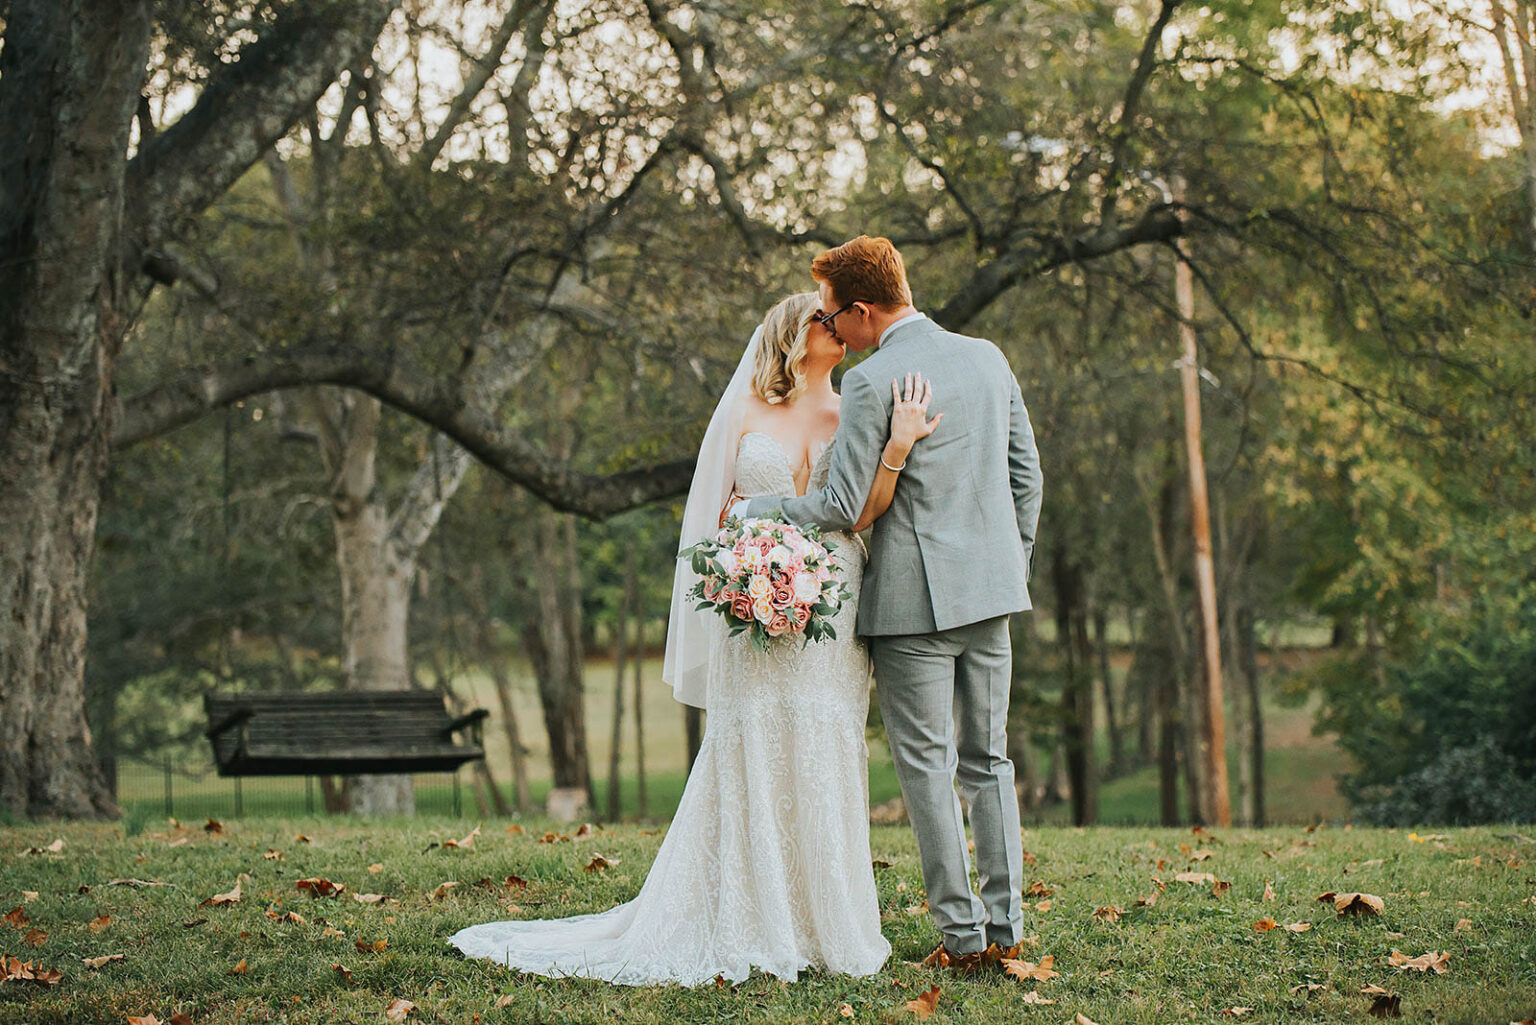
495,661
1112,719
375,598
554,646
1248,659
70,74
1212,720
637,605
1077,691
620,650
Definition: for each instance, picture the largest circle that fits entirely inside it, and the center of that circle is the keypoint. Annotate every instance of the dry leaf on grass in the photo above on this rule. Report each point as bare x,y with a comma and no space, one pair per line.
599,863
1083,1019
1022,970
301,838
239,969
1269,891
1264,925
515,829
1463,925
1044,905
925,1003
97,962
213,826
1309,988
1038,889
318,887
16,918
13,968
342,970
144,1019
1108,913
846,1010
1434,961
273,854
1199,855
35,938
443,888
586,832
505,1000
916,910
1298,927
468,841
27,896
368,898
231,897
397,1009
1236,1012
1201,878
376,947
53,848
1034,997
1221,888
1354,903
377,866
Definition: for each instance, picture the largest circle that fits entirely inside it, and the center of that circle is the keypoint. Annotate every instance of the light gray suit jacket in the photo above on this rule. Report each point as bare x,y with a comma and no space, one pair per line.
958,542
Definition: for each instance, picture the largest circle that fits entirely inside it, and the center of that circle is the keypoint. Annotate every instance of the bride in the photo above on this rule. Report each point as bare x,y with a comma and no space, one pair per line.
766,863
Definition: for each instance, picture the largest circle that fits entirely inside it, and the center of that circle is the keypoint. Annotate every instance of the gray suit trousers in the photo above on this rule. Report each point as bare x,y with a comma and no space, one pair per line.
944,699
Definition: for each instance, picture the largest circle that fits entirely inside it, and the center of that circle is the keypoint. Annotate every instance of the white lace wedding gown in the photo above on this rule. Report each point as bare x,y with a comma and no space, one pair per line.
766,863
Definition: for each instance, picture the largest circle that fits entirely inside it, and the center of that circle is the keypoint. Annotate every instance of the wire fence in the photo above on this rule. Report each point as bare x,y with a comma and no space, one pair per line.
170,787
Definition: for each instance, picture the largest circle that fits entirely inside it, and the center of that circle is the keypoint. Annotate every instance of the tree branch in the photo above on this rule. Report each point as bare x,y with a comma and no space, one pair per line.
243,110
1156,224
192,393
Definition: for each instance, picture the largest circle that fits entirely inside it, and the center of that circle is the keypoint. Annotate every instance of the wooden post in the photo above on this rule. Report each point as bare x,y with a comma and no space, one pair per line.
1215,732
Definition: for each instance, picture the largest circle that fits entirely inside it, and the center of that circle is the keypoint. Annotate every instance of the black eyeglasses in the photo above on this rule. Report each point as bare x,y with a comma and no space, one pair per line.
825,319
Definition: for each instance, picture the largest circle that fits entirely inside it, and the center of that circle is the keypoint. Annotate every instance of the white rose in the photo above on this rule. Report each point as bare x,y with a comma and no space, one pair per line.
763,611
750,559
759,590
806,588
729,563
778,555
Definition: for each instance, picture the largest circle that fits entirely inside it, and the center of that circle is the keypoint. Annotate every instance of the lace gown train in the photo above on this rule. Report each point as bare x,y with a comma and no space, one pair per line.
766,863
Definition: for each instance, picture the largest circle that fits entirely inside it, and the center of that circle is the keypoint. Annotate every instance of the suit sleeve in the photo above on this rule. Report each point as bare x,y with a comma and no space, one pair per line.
1023,471
863,428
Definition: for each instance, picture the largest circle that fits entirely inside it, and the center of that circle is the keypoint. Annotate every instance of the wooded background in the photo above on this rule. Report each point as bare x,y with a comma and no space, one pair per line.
366,344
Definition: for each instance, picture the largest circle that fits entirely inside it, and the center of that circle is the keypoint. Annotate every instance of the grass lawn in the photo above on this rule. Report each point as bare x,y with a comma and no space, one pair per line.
1470,893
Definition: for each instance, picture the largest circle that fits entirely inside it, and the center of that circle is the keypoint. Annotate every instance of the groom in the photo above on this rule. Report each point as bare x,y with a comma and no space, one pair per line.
947,565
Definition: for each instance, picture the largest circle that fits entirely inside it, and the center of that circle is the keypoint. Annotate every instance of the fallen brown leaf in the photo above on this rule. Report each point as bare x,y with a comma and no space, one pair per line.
213,826
376,947
342,970
35,937
1269,891
1354,903
599,863
846,1010
16,918
377,866
586,832
146,1019
1298,927
1434,961
1309,988
1038,889
1044,905
1034,997
1108,913
99,923
1201,878
318,887
443,888
1083,1019
232,897
368,898
1385,1005
397,1009
97,962
925,1003
505,1000
1022,970
239,969
1264,925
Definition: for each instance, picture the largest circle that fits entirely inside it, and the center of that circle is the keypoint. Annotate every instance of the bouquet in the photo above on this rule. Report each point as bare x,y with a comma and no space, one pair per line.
769,578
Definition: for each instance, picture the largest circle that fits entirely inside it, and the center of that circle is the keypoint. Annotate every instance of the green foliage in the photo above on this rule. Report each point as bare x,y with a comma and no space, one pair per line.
1447,734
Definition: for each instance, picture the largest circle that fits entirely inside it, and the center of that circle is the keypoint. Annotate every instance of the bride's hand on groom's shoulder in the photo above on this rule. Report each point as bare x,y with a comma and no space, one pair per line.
909,413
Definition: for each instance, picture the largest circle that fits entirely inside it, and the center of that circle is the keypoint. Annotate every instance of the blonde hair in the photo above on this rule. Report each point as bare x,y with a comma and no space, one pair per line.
777,376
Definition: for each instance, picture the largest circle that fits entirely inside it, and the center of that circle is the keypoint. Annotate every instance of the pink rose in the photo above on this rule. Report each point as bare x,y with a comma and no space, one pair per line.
799,616
712,586
778,625
741,608
783,595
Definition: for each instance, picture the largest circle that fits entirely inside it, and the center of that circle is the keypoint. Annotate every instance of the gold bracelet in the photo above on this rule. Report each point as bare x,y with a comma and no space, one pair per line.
893,469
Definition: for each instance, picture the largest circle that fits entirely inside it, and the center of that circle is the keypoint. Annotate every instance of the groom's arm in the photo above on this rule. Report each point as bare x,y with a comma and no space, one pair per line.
863,425
1023,472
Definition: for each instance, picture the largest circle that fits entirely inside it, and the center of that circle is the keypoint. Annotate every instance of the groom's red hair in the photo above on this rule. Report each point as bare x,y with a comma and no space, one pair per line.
865,269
